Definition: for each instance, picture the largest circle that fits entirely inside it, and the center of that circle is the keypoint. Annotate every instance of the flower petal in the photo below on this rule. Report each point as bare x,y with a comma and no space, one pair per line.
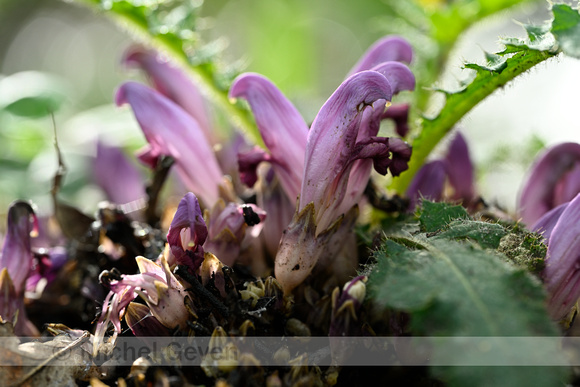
283,129
189,219
173,132
113,172
398,75
17,256
330,151
537,194
389,48
173,83
460,169
428,183
561,273
545,225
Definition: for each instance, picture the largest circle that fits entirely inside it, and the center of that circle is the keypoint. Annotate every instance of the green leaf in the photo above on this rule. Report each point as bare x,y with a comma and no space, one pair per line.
519,55
487,79
435,216
452,288
566,28
32,94
487,235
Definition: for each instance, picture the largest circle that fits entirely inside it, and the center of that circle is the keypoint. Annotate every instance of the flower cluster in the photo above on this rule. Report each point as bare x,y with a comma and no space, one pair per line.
308,180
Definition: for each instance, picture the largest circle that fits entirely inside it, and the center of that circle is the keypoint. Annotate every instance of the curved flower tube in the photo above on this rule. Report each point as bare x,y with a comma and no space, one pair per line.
117,177
554,179
333,147
17,256
387,49
561,274
16,263
173,83
172,132
333,144
283,129
456,169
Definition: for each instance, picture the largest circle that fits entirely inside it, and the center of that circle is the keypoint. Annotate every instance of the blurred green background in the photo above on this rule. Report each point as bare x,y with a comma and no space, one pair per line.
66,58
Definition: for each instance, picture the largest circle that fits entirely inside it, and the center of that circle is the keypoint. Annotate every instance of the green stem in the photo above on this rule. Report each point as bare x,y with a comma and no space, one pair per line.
202,76
458,104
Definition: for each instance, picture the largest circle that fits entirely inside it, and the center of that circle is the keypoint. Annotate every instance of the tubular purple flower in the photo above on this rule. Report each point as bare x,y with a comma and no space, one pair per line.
460,169
187,233
389,48
173,132
545,225
561,274
428,183
173,83
456,169
283,129
552,180
333,144
17,256
119,179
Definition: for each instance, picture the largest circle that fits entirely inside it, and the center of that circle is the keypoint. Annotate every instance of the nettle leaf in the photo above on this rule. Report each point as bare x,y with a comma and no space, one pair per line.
520,55
453,288
470,279
487,235
566,29
435,216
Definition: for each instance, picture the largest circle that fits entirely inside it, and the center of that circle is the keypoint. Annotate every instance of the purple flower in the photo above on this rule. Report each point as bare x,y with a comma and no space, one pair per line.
456,169
554,179
343,132
283,130
16,263
187,234
173,83
171,131
119,179
561,274
387,49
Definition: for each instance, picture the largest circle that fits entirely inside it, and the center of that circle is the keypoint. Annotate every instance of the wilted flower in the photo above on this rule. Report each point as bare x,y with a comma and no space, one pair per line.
554,179
454,173
155,284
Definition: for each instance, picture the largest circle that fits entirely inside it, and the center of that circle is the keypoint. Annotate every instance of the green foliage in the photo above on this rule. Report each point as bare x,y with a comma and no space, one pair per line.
519,55
31,94
171,26
566,29
457,282
435,216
